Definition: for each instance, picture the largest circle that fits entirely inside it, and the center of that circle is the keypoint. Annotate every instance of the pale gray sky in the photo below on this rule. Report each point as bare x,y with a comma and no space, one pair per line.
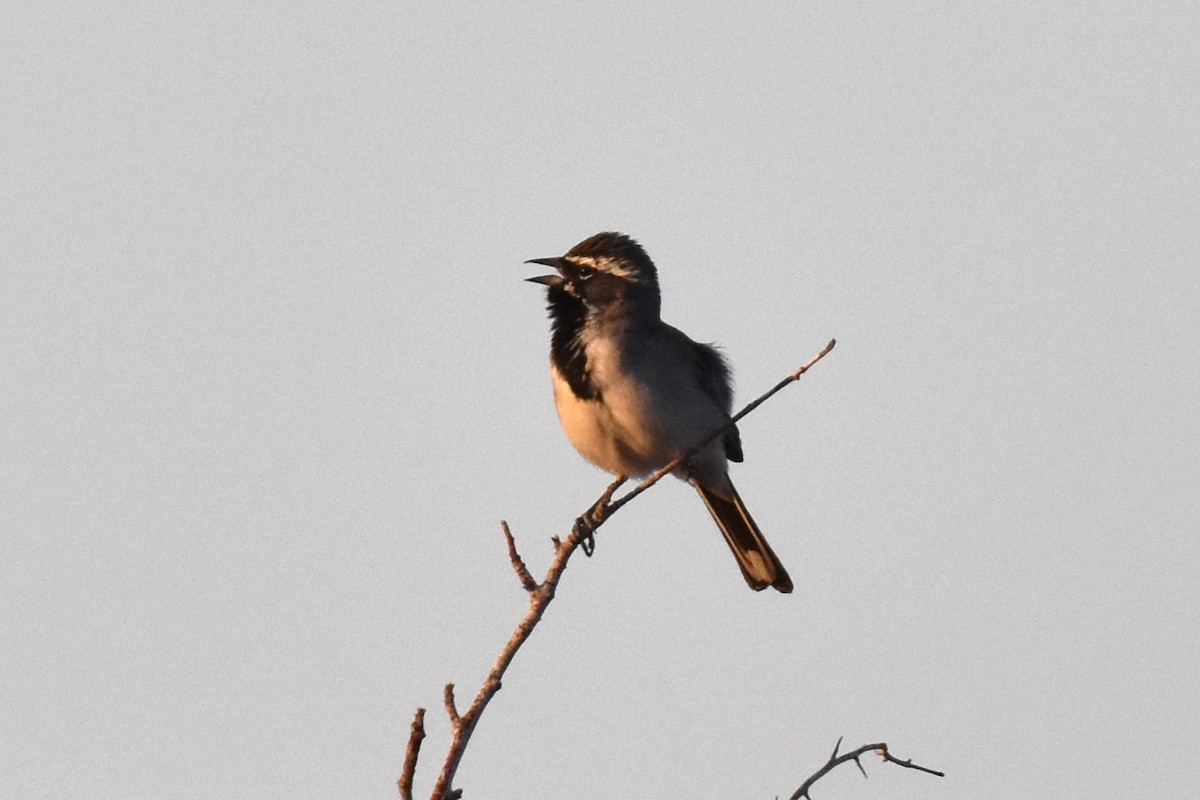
271,379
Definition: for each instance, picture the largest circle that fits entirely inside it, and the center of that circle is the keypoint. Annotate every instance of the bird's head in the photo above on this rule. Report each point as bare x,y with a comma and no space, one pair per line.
607,272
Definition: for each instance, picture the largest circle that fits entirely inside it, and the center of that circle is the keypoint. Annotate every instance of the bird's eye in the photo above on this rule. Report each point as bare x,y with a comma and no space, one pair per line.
586,272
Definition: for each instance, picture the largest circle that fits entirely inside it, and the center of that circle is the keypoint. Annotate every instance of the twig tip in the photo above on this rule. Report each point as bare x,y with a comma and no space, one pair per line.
448,700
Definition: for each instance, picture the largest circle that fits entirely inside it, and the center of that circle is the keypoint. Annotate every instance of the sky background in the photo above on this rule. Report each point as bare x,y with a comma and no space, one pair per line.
271,379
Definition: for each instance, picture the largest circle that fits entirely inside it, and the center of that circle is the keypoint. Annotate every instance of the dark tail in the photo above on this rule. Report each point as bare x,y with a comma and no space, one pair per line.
760,566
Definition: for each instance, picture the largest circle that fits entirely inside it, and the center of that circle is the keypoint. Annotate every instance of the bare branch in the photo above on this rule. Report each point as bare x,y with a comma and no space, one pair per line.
541,595
880,749
415,735
518,564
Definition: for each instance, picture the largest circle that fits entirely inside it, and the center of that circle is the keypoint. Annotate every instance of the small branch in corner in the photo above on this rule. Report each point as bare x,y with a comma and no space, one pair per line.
879,748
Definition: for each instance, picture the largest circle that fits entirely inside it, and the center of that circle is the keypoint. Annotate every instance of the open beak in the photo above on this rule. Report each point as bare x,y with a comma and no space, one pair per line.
548,280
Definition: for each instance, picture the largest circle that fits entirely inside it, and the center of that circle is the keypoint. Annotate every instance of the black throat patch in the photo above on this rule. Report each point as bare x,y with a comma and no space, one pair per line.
568,316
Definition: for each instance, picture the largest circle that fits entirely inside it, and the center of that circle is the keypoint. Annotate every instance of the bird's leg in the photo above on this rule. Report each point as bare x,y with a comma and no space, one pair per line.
586,525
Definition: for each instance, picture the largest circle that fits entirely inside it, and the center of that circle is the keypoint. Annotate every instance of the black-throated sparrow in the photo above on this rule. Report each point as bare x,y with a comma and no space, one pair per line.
633,393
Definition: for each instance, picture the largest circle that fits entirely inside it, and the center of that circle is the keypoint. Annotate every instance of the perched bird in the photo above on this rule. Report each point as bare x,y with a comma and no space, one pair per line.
633,393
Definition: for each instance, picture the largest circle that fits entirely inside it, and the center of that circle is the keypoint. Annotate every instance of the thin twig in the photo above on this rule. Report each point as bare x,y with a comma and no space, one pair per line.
880,749
541,595
415,734
667,469
518,563
907,763
448,702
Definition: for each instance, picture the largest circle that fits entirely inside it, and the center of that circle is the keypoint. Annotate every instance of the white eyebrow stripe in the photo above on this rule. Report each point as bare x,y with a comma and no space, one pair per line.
603,265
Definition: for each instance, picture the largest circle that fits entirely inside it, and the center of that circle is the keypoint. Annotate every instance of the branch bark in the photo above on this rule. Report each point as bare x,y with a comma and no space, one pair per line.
542,594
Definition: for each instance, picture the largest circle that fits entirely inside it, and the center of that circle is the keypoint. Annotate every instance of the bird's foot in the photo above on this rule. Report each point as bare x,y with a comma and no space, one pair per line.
587,536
